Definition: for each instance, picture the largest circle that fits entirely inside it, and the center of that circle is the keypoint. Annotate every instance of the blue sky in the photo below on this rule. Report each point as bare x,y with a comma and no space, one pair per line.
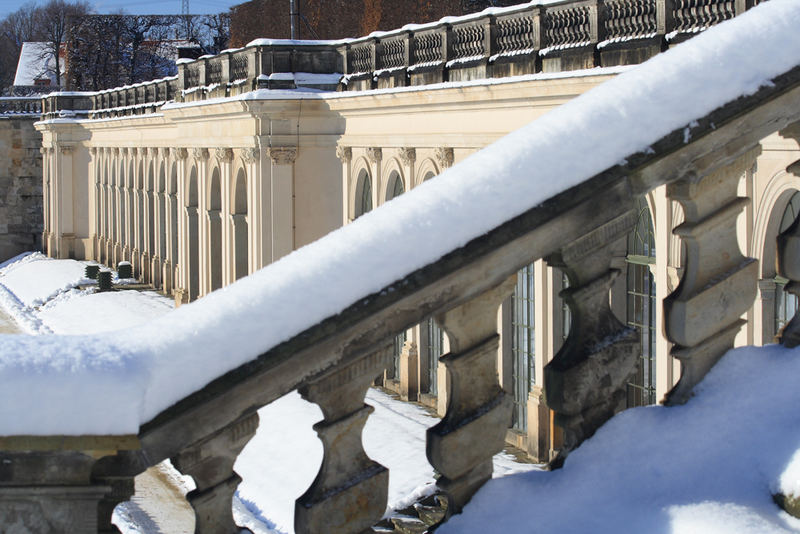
138,6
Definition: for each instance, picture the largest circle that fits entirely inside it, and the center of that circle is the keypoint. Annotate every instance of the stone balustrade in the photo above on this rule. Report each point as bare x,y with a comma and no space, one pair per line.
20,105
569,35
75,481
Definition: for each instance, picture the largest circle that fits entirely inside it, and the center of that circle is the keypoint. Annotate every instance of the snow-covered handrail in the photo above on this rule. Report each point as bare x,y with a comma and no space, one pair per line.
187,387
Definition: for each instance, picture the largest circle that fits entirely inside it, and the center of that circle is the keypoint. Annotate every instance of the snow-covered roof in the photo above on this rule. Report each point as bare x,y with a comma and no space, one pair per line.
111,384
36,63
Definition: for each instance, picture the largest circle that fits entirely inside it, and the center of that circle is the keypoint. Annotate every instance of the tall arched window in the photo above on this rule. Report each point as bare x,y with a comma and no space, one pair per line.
641,305
522,345
395,187
785,302
363,193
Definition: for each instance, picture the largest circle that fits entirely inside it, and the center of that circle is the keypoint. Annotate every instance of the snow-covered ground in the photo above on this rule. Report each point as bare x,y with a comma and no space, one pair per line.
278,464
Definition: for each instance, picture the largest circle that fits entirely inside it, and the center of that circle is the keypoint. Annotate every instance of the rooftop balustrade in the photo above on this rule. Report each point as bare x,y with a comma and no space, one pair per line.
20,105
569,35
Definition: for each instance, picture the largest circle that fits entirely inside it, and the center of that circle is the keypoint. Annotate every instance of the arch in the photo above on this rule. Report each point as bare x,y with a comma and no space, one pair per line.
241,257
774,199
395,186
392,171
641,304
193,235
214,213
363,194
427,169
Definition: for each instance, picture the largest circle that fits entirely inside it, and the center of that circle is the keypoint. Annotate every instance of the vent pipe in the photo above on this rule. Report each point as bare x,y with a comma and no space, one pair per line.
293,18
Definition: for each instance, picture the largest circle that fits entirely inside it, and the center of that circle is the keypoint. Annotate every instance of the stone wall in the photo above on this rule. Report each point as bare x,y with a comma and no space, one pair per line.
20,186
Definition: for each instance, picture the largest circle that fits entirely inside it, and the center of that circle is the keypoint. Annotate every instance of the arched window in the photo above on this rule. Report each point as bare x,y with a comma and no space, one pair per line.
522,345
785,302
395,187
435,348
363,193
641,305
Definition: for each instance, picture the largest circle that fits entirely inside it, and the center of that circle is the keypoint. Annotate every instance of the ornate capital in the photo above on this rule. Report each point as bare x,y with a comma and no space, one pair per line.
43,151
180,153
163,152
115,150
123,150
144,151
250,155
200,153
374,154
344,153
282,155
66,149
444,156
407,155
134,151
92,151
223,154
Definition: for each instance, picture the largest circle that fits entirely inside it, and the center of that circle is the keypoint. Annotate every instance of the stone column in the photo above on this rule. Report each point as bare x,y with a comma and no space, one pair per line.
282,172
210,463
350,491
181,291
345,154
766,290
201,156
375,157
409,158
473,429
225,156
719,282
257,218
586,382
63,219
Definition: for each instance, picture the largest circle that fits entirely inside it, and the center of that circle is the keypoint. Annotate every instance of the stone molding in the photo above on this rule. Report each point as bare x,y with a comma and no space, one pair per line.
223,154
66,149
200,154
250,155
344,153
374,154
282,155
444,157
407,155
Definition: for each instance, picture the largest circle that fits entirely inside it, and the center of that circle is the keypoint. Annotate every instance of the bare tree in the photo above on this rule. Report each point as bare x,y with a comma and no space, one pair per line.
17,28
54,20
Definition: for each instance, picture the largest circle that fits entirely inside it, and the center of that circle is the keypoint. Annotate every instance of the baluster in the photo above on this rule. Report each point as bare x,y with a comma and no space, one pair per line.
350,491
210,462
719,282
586,382
462,444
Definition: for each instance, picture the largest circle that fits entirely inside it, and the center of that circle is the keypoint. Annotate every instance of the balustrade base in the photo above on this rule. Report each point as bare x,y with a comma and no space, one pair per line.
49,509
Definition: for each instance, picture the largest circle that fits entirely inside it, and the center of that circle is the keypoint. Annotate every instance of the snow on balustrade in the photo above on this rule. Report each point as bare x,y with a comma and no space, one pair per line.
111,383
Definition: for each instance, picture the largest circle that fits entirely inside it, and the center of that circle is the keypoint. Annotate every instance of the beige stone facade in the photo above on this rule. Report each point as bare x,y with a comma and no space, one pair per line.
198,195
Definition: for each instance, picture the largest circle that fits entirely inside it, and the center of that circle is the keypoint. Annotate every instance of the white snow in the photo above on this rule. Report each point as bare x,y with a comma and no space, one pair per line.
707,467
41,279
36,62
632,111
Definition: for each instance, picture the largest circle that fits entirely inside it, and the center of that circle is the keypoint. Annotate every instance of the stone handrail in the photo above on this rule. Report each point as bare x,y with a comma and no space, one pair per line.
333,362
20,105
525,39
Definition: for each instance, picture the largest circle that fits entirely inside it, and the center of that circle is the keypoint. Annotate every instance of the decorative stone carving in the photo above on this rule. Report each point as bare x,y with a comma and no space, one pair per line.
223,154
134,151
180,153
123,150
586,382
92,151
43,151
703,315
350,491
66,149
374,155
472,431
250,155
282,155
344,153
200,154
407,155
444,157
